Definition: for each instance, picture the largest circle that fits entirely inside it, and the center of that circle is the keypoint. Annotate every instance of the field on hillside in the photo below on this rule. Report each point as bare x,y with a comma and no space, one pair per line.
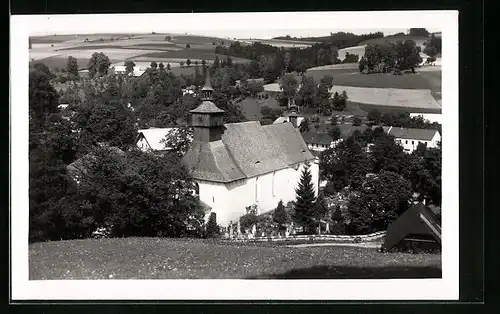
54,50
188,53
251,107
378,41
282,42
383,109
61,63
160,258
421,80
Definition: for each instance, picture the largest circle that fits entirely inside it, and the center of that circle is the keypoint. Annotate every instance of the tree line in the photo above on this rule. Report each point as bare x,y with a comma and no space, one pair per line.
390,57
340,39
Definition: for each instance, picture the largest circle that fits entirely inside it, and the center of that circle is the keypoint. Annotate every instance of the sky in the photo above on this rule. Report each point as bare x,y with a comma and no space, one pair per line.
232,25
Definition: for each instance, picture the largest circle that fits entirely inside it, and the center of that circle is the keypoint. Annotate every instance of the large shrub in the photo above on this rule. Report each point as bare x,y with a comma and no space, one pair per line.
248,220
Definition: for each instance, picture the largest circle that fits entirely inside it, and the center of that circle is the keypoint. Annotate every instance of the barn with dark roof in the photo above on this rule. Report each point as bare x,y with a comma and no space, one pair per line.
417,229
239,166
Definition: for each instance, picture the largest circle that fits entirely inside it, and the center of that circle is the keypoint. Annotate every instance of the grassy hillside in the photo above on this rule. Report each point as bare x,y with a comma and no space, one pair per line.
251,107
54,50
379,41
192,54
157,258
61,62
420,80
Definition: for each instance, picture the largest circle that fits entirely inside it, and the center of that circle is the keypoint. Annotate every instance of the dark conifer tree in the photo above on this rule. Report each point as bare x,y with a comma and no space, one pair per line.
304,206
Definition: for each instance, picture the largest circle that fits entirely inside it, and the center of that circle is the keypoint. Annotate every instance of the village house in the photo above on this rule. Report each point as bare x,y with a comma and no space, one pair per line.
410,138
293,118
243,166
120,69
318,142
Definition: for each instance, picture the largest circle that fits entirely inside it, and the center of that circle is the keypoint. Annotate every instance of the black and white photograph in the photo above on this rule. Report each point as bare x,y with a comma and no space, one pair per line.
205,156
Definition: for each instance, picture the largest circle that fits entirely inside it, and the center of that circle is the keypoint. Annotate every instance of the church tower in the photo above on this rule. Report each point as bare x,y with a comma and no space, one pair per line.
207,119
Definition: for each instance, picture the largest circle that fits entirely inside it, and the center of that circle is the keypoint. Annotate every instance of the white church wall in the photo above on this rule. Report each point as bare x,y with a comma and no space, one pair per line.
214,195
241,194
230,200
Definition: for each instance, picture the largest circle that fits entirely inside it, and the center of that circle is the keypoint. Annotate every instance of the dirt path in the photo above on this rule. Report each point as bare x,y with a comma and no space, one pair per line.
363,245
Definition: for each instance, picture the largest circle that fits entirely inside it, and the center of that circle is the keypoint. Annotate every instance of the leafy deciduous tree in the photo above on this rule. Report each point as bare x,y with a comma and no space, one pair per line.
72,66
98,64
382,199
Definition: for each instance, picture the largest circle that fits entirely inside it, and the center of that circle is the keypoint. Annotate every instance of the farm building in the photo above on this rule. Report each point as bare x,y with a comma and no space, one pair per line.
293,118
355,50
239,167
318,141
152,139
416,229
83,73
410,138
413,100
273,89
121,70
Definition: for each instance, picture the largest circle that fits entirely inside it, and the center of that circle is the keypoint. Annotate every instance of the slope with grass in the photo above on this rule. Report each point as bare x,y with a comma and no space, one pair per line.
160,258
419,40
251,107
54,50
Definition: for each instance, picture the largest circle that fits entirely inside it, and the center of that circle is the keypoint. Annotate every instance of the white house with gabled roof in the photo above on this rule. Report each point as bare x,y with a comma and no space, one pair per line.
410,138
152,139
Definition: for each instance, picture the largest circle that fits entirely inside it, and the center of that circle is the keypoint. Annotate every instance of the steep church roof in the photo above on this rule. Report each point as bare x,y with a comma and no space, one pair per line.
246,150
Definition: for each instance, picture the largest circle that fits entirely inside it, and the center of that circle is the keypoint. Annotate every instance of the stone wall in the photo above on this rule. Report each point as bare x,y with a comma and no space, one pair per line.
373,237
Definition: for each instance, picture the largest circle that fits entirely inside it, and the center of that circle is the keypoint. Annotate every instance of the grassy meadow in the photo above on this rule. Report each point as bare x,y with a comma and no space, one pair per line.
161,258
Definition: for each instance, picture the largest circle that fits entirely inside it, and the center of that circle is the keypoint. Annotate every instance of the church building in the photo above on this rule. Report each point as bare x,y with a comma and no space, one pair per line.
244,166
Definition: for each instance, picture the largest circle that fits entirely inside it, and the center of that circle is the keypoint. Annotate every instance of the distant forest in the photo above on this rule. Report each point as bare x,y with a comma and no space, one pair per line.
340,40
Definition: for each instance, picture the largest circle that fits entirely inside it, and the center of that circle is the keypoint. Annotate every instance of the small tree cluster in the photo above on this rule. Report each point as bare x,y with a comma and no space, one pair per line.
339,102
350,58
